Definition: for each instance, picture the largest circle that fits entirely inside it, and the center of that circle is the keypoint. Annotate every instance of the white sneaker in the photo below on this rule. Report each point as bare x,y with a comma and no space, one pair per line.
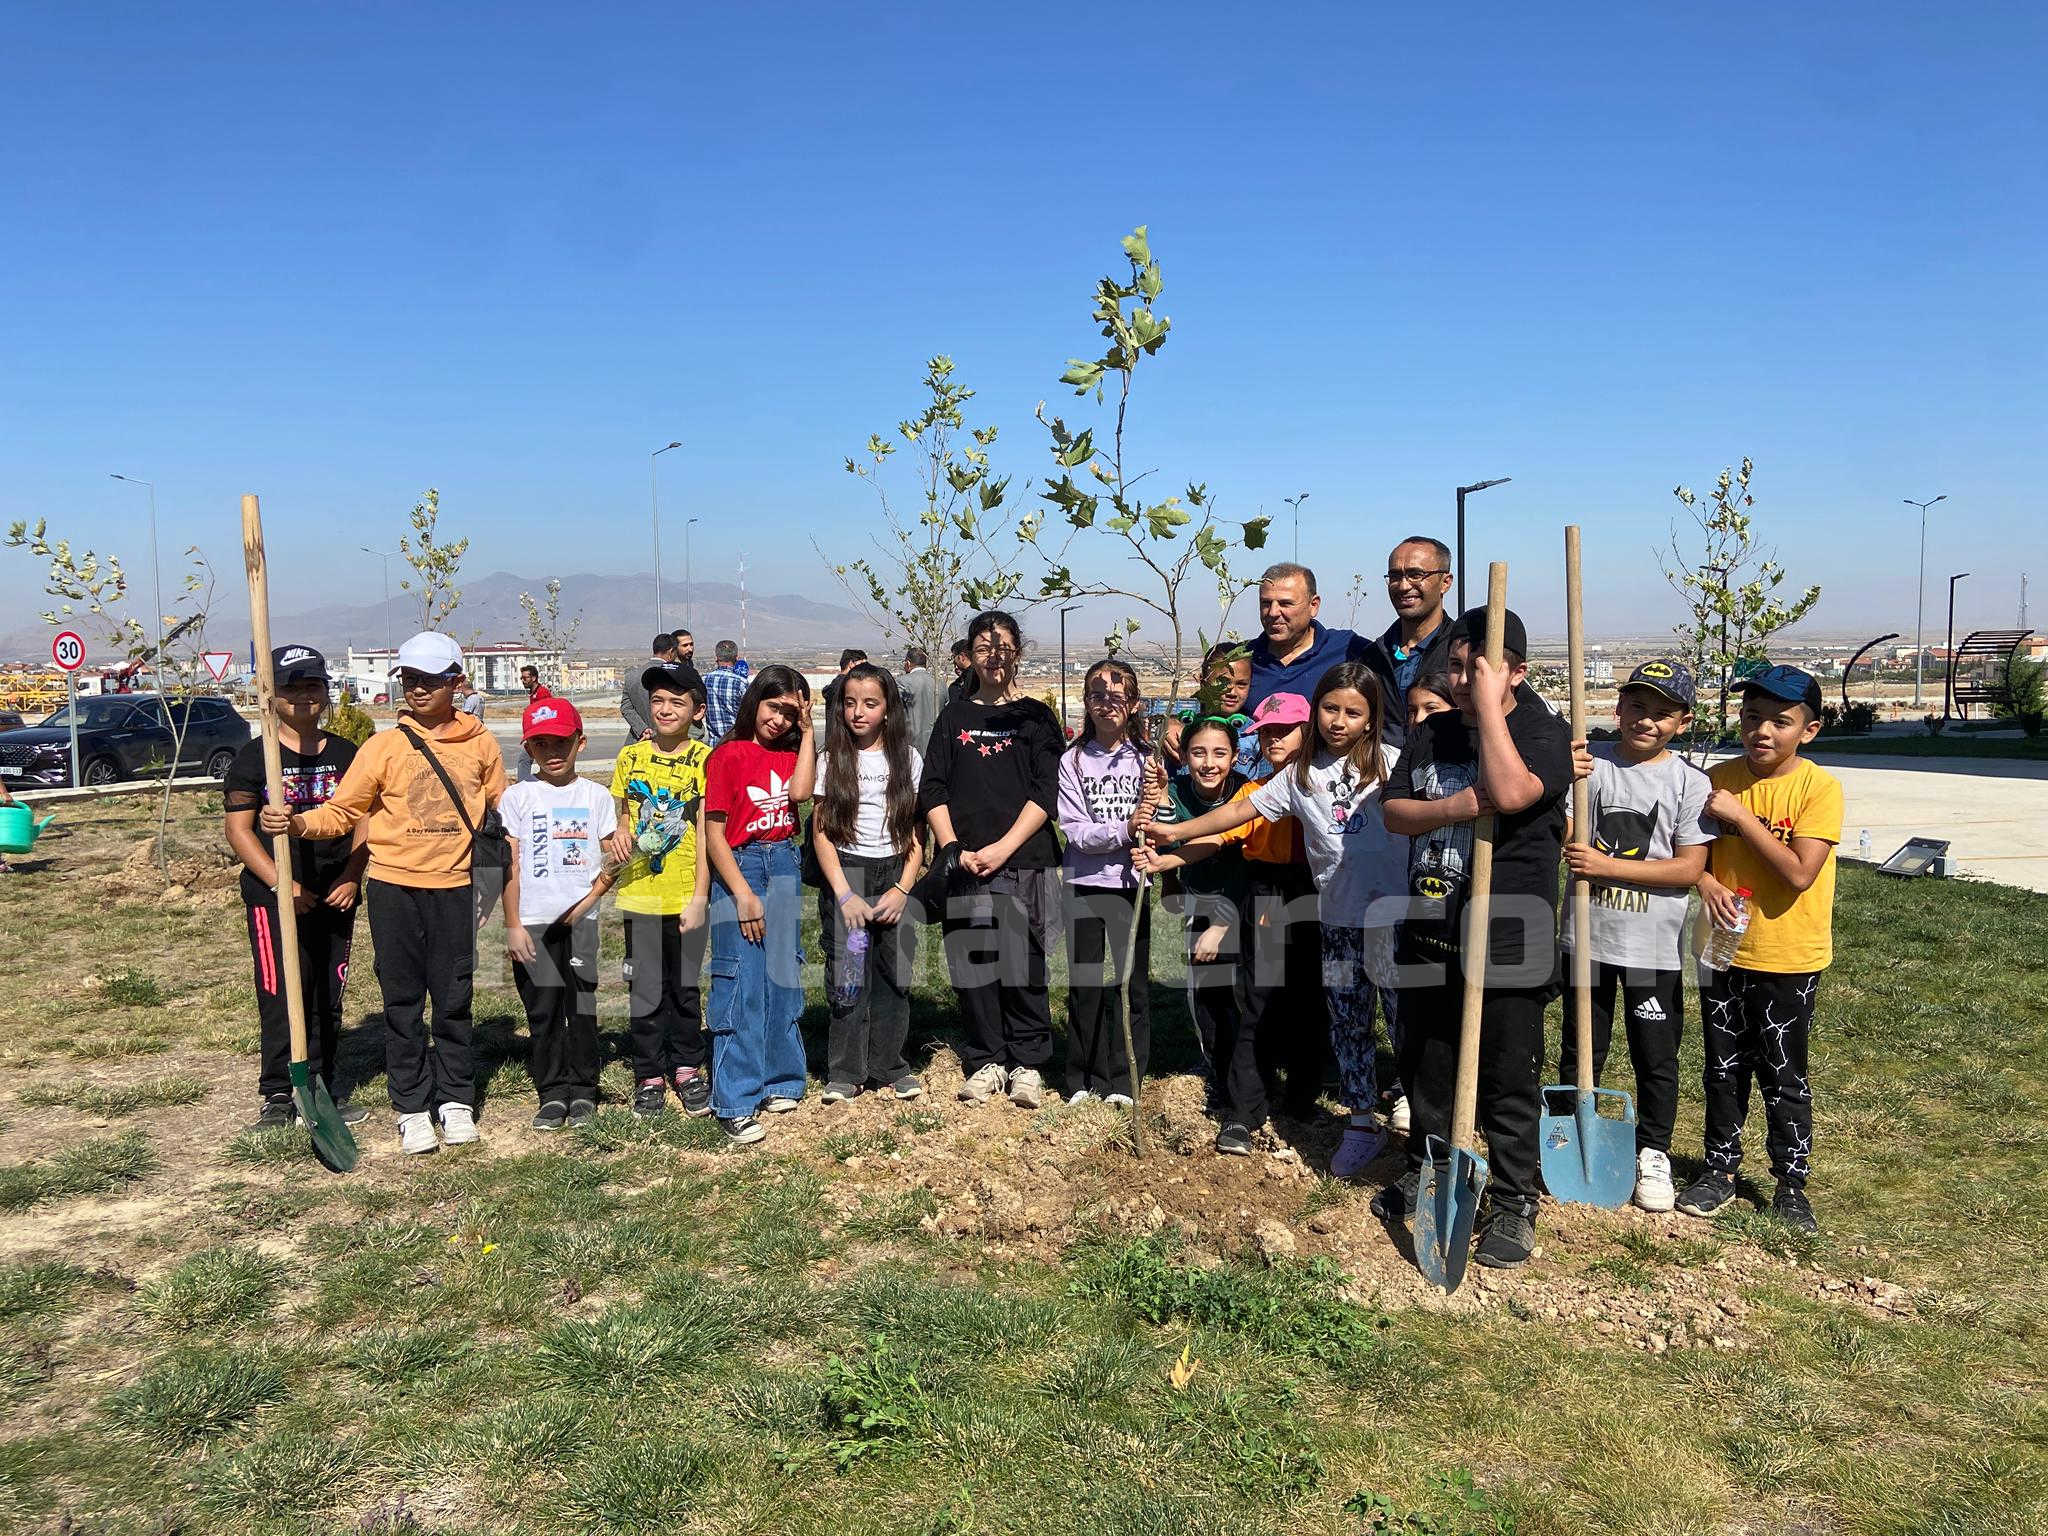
1027,1088
1653,1180
416,1133
1083,1096
781,1104
985,1083
458,1125
1117,1100
1397,1117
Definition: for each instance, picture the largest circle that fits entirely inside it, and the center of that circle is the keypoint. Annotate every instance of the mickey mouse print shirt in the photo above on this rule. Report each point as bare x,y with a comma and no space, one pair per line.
1640,811
1355,860
748,784
985,763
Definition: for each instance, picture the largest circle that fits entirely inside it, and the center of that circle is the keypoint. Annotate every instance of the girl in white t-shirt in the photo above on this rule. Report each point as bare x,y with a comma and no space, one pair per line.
1334,795
864,832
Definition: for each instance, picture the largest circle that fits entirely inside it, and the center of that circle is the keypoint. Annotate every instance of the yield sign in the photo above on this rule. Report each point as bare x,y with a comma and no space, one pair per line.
218,662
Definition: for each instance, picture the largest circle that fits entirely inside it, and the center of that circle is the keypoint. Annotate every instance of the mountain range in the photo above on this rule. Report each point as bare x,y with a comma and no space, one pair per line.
617,614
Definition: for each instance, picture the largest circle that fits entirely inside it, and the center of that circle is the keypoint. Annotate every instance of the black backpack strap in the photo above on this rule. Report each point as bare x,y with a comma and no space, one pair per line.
442,774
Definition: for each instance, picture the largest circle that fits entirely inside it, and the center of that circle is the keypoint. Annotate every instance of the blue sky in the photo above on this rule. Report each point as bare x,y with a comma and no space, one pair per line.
336,255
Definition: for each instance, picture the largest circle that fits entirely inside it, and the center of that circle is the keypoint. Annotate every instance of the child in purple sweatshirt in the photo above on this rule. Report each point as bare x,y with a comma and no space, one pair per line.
1099,800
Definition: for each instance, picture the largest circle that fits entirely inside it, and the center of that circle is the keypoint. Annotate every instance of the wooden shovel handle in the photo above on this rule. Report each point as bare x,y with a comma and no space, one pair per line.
1478,905
1582,814
273,771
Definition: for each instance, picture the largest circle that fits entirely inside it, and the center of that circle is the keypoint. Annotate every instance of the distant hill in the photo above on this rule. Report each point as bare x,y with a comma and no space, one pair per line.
617,611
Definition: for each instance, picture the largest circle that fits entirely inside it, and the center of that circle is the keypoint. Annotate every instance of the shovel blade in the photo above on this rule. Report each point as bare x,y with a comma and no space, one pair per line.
1446,1204
1588,1158
333,1143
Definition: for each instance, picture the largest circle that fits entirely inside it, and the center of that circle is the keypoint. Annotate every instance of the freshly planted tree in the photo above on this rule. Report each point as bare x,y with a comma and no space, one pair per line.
435,564
89,589
1730,590
546,630
181,673
935,560
1170,552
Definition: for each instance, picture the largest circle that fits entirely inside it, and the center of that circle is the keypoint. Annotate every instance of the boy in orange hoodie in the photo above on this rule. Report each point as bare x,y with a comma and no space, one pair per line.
422,910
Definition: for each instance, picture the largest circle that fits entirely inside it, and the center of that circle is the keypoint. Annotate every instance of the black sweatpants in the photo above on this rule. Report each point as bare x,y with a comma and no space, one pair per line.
1510,1079
995,937
1285,1011
325,937
559,993
666,1008
864,1041
426,948
1098,929
1655,1019
1216,1000
1755,1024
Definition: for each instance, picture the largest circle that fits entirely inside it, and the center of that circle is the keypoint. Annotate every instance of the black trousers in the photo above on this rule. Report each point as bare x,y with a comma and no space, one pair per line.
1098,929
1654,1004
1285,1011
1510,1078
426,948
559,992
1755,1025
666,1008
995,936
1216,1001
864,1041
325,937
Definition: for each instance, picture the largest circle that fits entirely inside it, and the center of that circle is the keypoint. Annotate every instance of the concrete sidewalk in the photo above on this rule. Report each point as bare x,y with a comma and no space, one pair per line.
1993,810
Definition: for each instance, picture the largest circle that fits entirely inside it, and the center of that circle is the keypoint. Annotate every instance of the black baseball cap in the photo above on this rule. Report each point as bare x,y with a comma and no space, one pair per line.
1787,683
1672,679
676,676
298,664
1471,628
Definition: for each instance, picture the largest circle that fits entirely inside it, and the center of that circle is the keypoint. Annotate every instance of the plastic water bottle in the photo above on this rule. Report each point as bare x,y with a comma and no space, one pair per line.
1863,845
1726,940
853,967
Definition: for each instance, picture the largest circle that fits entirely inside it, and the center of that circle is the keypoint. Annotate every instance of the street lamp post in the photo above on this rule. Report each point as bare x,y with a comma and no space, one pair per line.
1463,492
1063,662
654,507
1295,502
688,622
1920,597
1948,682
156,580
384,564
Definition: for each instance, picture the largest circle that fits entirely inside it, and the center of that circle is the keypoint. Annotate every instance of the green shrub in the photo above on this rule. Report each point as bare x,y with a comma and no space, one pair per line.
870,1403
350,721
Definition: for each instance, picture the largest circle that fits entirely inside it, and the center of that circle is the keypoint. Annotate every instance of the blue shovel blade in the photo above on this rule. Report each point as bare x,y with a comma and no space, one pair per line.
1588,1157
1446,1203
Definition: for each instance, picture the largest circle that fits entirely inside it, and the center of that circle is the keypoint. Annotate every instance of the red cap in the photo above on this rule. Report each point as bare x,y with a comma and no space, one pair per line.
549,717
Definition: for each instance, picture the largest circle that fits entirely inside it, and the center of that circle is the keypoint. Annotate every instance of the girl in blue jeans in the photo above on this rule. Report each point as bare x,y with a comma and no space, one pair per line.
753,784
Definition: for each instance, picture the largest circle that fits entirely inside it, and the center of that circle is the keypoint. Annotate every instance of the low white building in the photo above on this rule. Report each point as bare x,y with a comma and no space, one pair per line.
492,668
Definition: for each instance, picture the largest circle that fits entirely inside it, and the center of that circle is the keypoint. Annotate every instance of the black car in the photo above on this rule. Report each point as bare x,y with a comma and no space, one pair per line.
121,736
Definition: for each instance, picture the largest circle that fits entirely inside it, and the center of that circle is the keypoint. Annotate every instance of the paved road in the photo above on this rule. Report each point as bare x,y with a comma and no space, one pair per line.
1994,811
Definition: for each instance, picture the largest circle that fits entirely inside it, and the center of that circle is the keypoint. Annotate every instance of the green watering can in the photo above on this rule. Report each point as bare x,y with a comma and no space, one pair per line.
19,828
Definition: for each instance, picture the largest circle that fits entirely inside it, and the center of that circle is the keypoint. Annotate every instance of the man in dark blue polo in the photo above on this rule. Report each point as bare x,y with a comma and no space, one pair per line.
1294,650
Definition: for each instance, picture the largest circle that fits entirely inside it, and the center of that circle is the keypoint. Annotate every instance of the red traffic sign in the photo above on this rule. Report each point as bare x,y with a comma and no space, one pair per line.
68,650
218,662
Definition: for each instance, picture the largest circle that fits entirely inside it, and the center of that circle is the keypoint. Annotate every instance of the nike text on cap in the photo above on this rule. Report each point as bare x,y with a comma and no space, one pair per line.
549,717
429,652
298,664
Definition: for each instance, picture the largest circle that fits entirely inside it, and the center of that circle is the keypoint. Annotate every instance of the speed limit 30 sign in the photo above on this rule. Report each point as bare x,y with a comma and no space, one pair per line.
68,651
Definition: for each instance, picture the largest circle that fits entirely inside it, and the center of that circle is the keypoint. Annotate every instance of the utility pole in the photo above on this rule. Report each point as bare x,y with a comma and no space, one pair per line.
1920,598
2023,600
1063,662
1295,502
1463,492
654,506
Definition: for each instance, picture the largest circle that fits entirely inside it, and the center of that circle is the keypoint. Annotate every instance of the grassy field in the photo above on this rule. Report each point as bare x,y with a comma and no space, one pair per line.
929,1318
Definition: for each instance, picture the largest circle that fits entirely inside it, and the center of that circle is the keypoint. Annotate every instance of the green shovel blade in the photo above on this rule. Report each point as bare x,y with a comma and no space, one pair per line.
333,1143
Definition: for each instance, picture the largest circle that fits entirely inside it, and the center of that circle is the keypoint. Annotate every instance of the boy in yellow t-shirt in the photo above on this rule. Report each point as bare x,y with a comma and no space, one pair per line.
658,783
1780,818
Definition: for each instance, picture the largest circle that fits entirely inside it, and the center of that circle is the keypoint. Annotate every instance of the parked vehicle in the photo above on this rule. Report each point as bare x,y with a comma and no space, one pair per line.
124,736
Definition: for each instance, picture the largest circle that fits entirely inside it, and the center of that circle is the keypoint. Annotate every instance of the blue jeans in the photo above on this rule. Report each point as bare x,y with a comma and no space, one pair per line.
756,993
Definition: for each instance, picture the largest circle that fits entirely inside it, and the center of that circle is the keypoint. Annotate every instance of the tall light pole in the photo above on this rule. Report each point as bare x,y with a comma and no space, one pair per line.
654,506
384,563
1295,502
1463,492
1948,683
688,623
1920,597
156,580
1063,662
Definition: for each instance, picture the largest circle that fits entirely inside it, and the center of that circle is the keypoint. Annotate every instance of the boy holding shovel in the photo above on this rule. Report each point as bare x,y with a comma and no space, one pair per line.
422,911
1503,751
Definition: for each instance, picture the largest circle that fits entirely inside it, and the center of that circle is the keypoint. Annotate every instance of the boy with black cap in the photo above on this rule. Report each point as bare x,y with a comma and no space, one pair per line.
1779,819
663,891
1501,751
1645,852
326,880
419,794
